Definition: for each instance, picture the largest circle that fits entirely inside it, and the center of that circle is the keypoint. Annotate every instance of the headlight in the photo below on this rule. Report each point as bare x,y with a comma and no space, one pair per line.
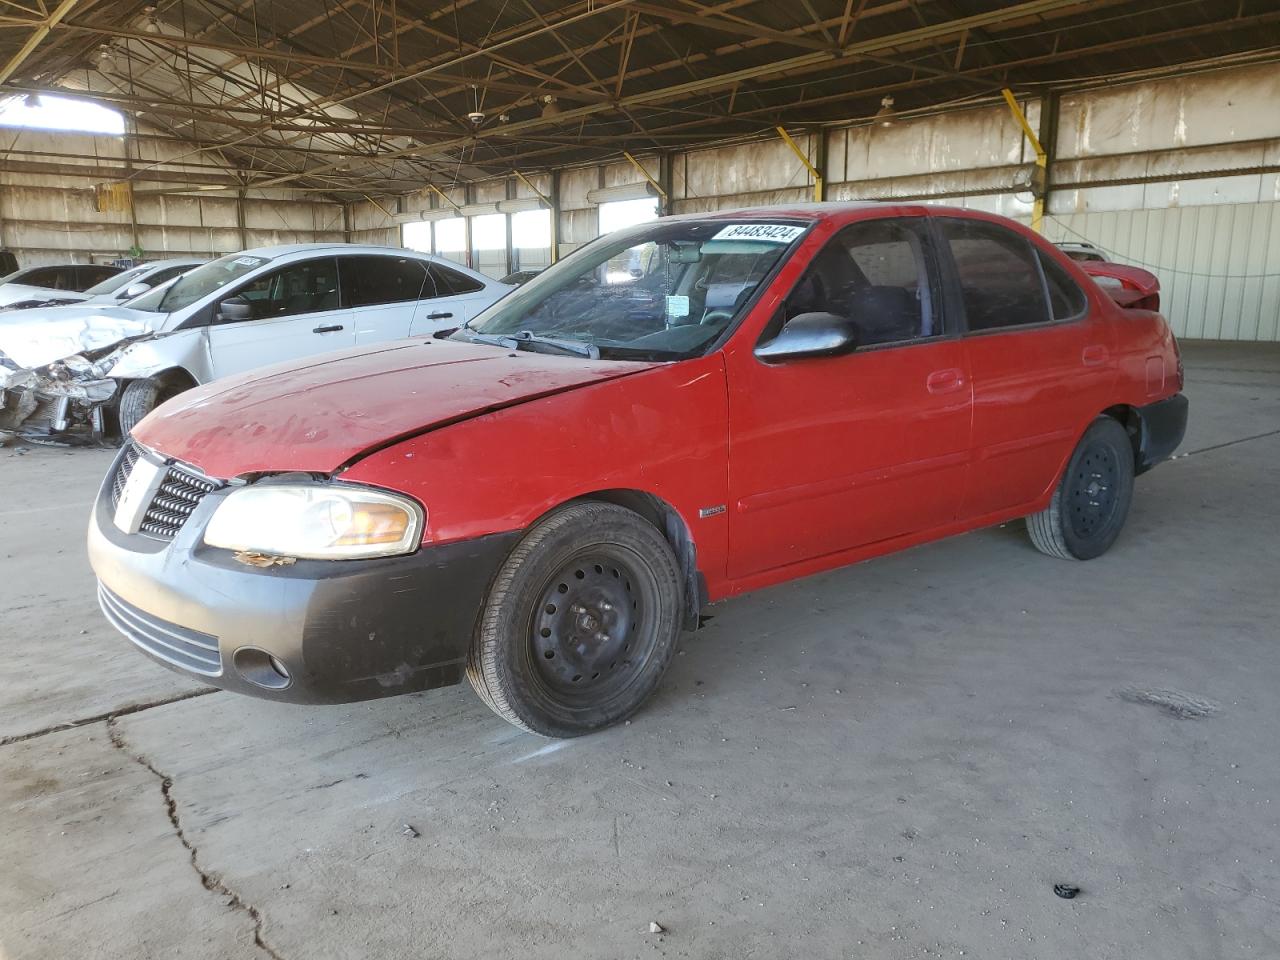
316,522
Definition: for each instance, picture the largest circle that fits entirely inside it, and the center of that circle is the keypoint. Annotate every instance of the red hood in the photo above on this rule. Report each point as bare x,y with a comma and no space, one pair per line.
318,414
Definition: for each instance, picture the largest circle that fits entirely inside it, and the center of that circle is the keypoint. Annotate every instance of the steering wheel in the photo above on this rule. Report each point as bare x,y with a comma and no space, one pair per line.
717,315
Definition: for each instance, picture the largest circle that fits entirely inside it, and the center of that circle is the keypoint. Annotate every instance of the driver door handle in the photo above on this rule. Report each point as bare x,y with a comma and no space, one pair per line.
439,316
945,381
333,328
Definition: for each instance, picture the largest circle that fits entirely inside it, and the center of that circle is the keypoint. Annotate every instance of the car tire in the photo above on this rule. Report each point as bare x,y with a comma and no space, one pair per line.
1091,502
139,398
581,622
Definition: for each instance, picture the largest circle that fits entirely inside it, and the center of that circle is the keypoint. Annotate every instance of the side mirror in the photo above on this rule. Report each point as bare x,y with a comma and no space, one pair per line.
134,290
811,335
233,309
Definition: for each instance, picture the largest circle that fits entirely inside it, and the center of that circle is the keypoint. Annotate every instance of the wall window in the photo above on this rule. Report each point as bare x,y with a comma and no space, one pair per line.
451,239
416,236
627,213
48,112
531,239
489,244
999,278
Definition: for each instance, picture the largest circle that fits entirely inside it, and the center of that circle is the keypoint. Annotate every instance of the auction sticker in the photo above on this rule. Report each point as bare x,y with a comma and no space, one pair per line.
768,232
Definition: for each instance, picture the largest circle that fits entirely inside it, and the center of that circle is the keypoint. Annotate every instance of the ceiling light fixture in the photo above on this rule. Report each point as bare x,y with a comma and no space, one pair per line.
884,116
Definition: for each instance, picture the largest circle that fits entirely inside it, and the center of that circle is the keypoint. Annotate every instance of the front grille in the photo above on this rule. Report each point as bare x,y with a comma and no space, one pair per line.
189,649
179,494
128,457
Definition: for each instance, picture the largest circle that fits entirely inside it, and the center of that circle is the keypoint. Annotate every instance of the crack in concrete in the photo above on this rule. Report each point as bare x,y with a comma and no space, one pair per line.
1228,443
99,717
210,881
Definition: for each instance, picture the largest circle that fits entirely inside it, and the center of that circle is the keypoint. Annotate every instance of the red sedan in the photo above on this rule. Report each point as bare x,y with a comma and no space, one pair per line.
674,414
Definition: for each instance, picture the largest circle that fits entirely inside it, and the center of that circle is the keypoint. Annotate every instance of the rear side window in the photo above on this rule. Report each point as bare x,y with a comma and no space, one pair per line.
451,283
999,276
1066,299
370,281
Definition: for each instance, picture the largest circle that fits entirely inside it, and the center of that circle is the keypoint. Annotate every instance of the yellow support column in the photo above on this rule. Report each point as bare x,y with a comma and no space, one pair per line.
813,171
1042,161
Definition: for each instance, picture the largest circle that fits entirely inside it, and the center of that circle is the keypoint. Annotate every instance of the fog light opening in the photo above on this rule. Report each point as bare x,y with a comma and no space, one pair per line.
261,668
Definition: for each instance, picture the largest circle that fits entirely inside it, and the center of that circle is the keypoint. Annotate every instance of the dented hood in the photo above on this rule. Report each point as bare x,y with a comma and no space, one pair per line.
35,337
319,414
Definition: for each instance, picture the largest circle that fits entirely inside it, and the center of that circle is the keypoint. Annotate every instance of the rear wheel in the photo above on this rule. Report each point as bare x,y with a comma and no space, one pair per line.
1091,502
581,622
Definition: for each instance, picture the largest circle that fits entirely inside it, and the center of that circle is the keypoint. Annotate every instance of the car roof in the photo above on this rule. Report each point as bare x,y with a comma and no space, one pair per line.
287,249
837,210
175,262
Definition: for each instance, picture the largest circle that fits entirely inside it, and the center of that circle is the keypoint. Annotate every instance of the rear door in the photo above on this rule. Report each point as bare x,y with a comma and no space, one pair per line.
296,312
383,294
832,453
458,297
1040,361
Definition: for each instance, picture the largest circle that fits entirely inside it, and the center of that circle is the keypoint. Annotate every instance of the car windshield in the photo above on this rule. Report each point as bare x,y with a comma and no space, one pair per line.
117,281
665,290
197,284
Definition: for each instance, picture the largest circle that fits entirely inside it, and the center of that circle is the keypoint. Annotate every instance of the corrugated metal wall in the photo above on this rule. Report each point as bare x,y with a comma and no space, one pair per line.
1180,175
48,212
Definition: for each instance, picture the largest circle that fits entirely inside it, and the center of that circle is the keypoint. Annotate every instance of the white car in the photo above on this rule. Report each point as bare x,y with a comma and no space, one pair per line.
44,281
65,366
123,286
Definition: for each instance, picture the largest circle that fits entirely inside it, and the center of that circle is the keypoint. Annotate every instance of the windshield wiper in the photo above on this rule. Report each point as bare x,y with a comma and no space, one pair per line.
512,341
579,347
501,341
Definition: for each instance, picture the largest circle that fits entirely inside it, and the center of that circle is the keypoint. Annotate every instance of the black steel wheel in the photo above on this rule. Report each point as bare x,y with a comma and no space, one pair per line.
581,622
1091,501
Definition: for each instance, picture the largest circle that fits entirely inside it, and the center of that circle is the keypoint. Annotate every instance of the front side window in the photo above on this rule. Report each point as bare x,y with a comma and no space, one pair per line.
875,273
199,283
665,290
307,287
373,280
88,276
51,277
999,277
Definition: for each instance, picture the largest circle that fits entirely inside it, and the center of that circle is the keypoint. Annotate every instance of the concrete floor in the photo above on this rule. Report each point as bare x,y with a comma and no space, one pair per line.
895,760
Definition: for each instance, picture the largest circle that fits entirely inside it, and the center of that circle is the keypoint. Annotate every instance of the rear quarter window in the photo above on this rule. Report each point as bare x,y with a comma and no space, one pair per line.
1066,300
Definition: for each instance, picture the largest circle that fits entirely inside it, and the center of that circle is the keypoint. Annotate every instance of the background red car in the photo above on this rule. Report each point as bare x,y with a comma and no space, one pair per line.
672,415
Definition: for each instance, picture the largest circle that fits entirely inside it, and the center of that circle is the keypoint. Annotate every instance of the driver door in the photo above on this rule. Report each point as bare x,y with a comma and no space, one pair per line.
295,312
832,453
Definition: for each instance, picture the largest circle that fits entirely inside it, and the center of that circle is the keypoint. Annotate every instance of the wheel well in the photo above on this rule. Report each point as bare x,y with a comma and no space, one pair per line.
175,377
1128,418
668,520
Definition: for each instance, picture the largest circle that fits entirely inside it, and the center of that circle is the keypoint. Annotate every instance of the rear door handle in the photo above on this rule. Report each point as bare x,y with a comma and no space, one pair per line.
439,316
1093,355
333,328
945,381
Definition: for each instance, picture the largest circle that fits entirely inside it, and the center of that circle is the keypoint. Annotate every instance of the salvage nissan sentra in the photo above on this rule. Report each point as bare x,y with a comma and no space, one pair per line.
673,414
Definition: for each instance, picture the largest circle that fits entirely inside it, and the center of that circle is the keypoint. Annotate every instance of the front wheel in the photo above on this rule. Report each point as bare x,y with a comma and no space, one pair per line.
1091,502
581,622
140,397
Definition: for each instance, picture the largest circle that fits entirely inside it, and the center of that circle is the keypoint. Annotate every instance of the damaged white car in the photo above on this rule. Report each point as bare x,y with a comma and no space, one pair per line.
93,372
